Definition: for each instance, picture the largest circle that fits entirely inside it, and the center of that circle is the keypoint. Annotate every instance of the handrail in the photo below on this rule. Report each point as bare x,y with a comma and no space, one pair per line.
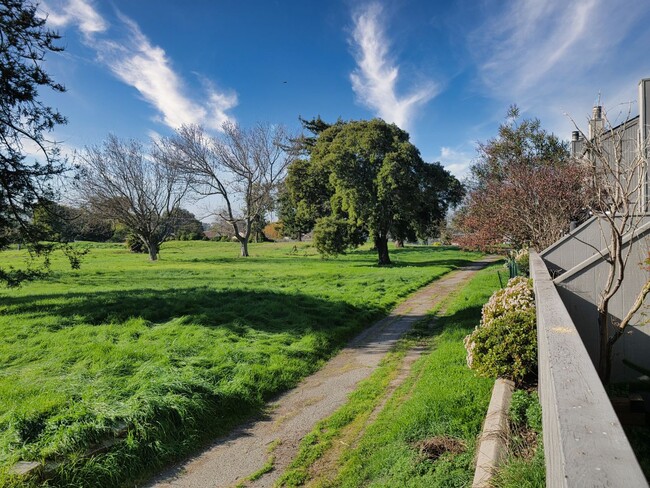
584,443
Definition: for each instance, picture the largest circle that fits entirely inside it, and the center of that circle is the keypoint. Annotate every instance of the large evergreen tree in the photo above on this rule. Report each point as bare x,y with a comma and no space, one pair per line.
24,122
376,185
304,195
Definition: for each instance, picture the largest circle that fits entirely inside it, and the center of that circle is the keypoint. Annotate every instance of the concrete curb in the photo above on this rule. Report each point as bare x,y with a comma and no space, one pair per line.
491,446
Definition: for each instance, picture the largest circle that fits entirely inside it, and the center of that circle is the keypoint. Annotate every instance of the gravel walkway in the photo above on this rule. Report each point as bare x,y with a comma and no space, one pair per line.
232,459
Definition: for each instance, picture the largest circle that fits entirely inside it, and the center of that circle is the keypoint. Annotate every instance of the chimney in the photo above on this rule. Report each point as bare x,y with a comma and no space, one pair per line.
596,123
575,143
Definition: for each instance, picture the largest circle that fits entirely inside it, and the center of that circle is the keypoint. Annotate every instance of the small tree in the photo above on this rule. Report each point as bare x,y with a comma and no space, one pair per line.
120,181
617,169
242,167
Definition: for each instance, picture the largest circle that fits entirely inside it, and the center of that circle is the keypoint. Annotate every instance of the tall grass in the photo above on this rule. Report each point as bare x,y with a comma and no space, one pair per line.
176,351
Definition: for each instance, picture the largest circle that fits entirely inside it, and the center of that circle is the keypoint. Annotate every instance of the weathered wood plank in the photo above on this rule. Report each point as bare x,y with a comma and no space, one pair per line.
584,443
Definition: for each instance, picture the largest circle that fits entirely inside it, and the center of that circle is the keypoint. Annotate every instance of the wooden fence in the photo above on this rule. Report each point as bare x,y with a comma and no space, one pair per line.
584,443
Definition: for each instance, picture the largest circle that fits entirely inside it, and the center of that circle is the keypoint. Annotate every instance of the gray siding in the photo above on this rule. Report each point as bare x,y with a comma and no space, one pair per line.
578,271
621,144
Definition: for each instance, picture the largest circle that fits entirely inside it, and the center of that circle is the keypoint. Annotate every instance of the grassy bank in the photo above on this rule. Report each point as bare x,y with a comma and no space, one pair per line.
178,350
441,403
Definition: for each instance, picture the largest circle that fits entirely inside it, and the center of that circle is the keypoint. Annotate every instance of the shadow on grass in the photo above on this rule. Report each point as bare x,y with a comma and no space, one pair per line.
462,321
235,309
184,412
453,263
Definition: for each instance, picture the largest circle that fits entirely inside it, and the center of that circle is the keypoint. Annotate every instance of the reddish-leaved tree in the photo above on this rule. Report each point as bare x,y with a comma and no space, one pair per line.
524,190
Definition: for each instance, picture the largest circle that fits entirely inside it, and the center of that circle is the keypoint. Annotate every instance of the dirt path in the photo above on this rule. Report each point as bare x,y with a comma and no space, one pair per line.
245,451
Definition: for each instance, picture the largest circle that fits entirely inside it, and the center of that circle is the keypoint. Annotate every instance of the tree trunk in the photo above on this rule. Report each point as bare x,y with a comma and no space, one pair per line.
381,243
604,355
607,370
244,247
153,251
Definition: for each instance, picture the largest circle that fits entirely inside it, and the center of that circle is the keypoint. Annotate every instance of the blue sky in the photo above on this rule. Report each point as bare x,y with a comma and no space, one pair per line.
445,71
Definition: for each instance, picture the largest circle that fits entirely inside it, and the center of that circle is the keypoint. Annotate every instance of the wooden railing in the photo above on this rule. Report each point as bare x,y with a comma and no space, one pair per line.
584,443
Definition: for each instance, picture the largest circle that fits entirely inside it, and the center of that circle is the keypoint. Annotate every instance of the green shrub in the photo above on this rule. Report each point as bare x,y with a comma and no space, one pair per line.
506,347
525,409
134,244
333,236
505,342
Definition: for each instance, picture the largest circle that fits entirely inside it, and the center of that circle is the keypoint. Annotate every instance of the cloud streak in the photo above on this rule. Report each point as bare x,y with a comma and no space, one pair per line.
456,161
134,60
80,13
529,49
375,78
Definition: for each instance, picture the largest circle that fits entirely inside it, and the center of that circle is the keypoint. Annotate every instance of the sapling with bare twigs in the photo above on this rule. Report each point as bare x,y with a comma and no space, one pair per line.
617,170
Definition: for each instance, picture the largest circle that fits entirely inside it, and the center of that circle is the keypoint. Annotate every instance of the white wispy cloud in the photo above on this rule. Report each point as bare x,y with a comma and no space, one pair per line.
375,78
136,61
529,41
456,161
76,12
148,69
554,56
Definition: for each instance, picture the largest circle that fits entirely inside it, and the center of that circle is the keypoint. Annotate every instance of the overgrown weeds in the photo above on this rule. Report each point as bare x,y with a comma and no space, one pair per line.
524,465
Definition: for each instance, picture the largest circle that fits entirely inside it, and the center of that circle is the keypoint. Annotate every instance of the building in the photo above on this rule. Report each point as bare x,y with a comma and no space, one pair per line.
578,261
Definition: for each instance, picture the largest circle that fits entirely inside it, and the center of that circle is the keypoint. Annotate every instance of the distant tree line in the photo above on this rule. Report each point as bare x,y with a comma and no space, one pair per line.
58,222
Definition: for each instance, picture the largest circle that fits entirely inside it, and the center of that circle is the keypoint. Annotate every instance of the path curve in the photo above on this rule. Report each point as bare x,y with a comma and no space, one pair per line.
231,459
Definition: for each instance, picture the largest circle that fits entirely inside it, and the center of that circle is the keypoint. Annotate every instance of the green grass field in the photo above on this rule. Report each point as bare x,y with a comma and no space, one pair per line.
178,350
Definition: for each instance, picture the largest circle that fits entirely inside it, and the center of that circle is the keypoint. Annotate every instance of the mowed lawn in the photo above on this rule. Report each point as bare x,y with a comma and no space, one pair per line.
179,350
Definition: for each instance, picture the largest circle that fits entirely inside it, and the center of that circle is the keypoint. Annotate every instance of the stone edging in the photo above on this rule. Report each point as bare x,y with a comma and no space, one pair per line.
491,446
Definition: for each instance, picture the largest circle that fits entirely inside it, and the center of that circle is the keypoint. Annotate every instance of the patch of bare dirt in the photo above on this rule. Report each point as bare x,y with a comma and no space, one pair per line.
435,447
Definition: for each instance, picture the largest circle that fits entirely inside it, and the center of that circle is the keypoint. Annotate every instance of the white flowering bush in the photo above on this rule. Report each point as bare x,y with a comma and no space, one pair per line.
517,295
505,342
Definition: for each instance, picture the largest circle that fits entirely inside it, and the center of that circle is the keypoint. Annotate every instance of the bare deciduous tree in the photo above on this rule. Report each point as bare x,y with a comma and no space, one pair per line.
120,180
242,167
617,170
